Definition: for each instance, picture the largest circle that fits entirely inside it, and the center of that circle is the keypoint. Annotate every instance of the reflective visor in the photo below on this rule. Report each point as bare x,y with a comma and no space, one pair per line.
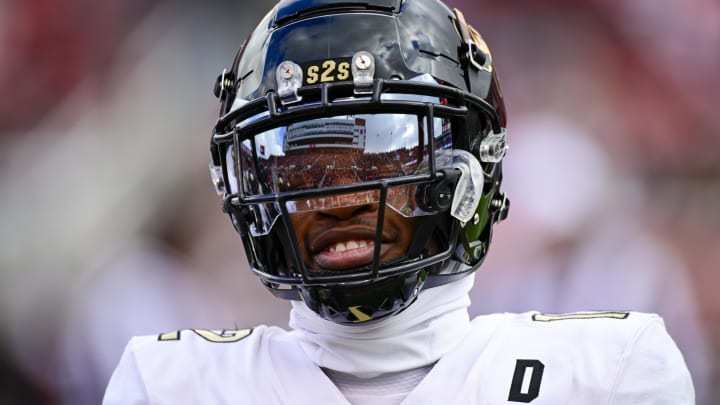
328,152
337,151
318,160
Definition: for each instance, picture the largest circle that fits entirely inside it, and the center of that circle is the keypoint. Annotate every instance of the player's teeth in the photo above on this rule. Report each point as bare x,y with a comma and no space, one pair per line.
352,244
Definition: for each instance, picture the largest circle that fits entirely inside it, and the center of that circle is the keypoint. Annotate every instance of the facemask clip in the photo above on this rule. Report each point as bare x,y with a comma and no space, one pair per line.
363,71
289,80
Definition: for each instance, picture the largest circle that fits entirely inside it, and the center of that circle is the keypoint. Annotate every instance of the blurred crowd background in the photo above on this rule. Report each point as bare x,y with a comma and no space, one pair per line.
109,225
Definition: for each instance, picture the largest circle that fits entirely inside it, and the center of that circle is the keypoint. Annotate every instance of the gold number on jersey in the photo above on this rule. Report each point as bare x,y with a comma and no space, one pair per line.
224,336
579,315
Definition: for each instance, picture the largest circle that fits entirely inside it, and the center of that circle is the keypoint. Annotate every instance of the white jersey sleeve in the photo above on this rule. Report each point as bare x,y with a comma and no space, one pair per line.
192,366
264,365
654,371
126,385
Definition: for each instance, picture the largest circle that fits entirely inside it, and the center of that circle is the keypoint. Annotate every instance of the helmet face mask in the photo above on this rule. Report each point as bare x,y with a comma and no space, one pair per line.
339,174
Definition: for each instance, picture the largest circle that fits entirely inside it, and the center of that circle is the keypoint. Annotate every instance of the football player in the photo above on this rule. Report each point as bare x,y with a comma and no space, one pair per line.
358,153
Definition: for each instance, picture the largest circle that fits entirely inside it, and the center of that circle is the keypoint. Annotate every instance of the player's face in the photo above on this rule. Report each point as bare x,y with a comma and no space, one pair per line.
343,237
339,231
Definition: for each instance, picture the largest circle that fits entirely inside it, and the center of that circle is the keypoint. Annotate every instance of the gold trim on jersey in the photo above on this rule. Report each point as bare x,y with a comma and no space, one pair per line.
223,336
540,317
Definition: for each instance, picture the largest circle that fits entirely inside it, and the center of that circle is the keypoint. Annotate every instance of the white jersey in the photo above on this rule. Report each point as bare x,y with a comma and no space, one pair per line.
604,358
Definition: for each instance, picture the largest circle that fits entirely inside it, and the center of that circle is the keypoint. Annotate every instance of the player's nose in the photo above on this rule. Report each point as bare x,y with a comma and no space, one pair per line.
344,206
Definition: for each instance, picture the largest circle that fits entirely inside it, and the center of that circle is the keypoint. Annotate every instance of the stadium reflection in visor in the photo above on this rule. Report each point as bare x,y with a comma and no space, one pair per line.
342,150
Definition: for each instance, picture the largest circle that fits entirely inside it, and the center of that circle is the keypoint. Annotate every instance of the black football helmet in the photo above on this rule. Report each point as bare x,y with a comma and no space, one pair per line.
386,109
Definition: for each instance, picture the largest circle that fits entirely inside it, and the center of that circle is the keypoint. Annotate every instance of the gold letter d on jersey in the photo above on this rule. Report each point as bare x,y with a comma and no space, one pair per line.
524,387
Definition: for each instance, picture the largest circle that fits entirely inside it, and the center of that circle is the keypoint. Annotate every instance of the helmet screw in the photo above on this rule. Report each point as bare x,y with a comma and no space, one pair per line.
363,61
287,70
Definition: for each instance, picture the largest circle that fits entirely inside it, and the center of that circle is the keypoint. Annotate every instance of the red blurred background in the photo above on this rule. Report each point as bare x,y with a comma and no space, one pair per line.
110,226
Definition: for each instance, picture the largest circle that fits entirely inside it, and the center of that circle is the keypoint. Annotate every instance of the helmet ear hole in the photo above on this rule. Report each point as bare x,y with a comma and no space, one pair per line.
442,196
437,196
